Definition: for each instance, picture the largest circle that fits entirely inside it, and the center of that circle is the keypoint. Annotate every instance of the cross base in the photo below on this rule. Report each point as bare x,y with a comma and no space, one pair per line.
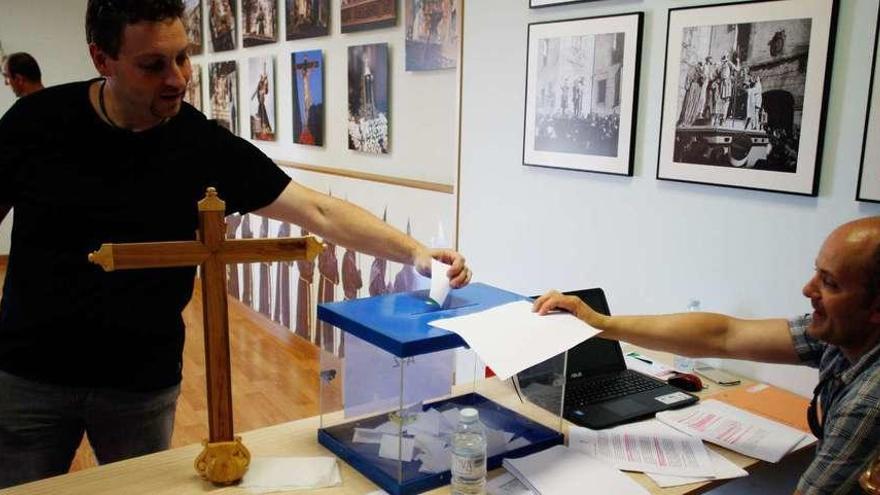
223,463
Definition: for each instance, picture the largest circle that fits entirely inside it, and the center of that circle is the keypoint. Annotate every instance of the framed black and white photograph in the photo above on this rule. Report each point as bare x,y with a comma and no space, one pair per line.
869,173
581,93
549,3
745,94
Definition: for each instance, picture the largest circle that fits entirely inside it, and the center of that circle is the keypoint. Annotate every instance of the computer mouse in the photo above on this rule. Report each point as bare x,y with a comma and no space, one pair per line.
686,382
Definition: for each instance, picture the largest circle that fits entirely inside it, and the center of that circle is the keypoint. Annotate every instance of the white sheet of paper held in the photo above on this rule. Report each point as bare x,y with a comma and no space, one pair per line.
734,429
439,282
647,447
510,338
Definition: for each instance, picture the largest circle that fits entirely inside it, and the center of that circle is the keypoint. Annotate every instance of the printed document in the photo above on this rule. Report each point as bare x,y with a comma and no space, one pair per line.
735,429
510,338
559,470
648,447
724,469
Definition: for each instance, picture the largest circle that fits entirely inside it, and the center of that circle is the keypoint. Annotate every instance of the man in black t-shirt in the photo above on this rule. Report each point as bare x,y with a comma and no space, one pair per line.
122,159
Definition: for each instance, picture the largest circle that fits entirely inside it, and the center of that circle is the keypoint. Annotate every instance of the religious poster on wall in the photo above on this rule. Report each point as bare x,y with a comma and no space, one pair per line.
308,97
221,20
260,23
261,79
361,15
581,83
368,119
192,21
223,85
745,94
432,34
307,18
869,176
193,94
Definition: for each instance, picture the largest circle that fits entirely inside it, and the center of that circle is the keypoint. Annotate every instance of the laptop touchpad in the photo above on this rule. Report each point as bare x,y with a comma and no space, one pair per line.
624,407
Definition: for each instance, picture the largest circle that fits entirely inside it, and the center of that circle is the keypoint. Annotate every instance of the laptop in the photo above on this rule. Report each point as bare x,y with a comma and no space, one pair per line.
599,390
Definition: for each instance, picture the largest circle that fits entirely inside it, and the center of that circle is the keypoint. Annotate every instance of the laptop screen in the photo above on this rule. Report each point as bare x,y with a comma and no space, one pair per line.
597,355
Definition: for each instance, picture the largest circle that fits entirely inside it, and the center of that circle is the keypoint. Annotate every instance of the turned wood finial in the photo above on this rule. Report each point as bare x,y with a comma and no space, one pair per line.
870,479
223,463
103,257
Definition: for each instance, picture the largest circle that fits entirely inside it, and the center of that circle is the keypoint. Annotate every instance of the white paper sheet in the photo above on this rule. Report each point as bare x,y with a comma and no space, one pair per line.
724,470
506,484
510,338
734,429
648,447
393,447
439,282
274,474
560,470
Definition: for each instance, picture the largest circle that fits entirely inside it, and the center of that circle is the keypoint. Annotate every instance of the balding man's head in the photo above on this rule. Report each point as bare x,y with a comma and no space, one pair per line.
860,242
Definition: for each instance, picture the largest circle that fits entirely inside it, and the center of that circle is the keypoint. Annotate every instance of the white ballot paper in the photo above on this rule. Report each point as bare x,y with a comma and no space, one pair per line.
734,429
275,474
560,470
506,484
724,470
510,338
647,447
439,282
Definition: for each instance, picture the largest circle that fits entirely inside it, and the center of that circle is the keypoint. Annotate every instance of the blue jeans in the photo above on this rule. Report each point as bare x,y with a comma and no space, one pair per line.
42,425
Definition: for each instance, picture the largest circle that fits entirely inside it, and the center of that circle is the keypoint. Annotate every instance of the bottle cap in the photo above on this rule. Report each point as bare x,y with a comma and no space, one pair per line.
469,414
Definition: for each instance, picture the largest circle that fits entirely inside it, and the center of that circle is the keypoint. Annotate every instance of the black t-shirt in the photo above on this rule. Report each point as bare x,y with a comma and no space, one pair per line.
75,183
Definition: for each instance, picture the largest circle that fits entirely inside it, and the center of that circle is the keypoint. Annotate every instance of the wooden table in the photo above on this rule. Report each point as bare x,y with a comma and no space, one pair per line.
171,472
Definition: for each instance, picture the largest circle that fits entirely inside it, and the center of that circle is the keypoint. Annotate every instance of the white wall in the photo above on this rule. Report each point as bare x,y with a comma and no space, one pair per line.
54,33
651,244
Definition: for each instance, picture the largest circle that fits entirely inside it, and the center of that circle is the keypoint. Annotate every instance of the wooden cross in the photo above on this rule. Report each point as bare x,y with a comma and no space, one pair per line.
224,459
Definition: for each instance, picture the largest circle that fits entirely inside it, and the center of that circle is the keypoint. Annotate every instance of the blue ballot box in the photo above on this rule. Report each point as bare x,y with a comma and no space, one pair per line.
391,392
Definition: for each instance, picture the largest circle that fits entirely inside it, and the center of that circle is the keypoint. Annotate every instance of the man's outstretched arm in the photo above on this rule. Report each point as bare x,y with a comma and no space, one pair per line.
689,334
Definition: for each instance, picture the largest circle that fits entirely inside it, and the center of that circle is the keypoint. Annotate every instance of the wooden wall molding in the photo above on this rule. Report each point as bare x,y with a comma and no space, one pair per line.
385,179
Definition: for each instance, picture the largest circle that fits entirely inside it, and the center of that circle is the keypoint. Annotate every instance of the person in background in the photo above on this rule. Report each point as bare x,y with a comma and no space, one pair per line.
21,72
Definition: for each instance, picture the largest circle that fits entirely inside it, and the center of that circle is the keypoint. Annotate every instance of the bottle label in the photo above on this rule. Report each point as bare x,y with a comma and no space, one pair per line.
469,467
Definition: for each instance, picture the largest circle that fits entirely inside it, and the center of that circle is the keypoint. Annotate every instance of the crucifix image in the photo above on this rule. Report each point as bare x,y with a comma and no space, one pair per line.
305,69
224,459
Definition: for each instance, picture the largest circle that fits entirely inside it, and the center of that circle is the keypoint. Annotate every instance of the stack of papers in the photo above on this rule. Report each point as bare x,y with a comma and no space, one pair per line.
426,436
560,470
666,455
735,429
510,338
273,474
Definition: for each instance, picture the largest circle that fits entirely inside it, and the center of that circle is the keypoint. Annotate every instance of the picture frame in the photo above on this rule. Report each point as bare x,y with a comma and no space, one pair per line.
307,74
537,4
582,93
261,84
222,22
745,94
259,22
360,15
192,21
307,19
868,188
432,34
369,97
223,91
193,94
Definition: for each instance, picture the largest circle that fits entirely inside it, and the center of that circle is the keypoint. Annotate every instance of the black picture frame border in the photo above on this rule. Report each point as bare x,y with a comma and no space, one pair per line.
871,101
637,72
823,112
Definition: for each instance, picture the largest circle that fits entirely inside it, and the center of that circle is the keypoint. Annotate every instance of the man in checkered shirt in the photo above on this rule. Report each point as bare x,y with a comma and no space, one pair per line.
841,337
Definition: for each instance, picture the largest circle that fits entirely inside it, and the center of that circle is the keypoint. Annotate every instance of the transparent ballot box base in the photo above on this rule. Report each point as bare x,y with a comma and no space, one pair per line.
409,451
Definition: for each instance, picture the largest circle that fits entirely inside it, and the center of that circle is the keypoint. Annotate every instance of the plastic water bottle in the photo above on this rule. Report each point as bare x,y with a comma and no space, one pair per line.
683,363
469,455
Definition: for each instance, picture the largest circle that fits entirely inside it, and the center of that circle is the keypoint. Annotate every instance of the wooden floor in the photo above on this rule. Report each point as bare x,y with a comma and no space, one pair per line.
274,376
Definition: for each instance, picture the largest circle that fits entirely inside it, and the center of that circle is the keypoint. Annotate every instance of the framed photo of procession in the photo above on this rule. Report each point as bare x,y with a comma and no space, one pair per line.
745,94
581,93
869,173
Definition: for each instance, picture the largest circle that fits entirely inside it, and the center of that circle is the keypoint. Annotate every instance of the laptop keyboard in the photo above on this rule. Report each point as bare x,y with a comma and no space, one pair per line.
603,388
